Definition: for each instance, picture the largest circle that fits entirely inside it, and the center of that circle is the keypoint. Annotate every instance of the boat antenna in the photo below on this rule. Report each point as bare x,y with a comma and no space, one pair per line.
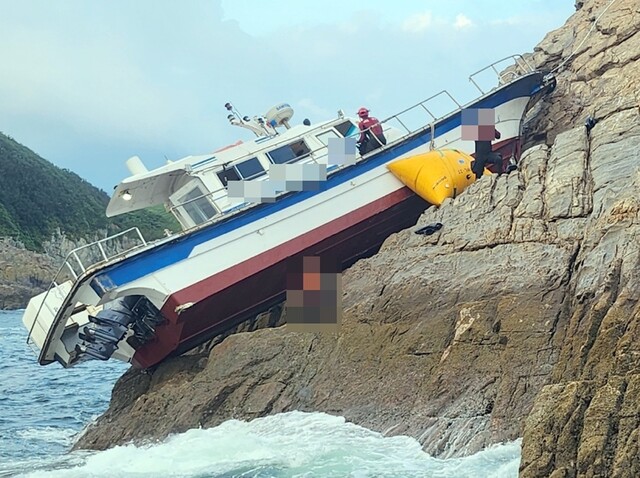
256,125
234,112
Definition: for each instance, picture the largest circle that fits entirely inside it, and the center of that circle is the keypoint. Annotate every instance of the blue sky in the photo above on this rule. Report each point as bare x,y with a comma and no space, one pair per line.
87,84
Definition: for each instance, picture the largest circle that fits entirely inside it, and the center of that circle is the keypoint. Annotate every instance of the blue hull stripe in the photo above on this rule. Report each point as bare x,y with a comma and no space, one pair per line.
179,249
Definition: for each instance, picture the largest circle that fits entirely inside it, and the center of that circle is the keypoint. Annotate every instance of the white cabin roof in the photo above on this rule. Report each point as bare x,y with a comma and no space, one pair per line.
156,186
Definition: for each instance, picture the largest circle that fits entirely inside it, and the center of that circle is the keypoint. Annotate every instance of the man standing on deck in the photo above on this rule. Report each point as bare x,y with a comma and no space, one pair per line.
371,136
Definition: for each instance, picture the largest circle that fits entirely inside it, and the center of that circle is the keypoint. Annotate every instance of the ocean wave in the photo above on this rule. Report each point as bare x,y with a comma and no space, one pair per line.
293,444
48,434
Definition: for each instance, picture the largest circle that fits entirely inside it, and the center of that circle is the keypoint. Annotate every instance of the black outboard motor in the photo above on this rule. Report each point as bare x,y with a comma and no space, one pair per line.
110,325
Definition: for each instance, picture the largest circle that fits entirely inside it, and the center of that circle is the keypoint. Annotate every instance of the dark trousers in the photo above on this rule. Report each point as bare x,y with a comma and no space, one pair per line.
371,142
482,160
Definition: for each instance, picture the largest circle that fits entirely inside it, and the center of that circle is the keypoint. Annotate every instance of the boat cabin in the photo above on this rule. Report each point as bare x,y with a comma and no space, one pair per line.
195,189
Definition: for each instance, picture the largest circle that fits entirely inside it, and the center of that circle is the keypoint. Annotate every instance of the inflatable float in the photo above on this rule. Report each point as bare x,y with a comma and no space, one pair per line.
436,175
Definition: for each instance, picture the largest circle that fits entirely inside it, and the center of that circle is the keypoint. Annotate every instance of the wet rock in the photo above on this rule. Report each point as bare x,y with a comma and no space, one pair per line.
447,338
520,317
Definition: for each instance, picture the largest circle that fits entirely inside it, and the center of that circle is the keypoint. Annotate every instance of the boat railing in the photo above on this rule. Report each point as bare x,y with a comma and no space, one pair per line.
420,116
412,119
518,66
86,257
82,258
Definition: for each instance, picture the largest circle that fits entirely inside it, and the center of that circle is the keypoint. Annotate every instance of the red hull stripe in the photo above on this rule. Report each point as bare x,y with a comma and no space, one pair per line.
228,277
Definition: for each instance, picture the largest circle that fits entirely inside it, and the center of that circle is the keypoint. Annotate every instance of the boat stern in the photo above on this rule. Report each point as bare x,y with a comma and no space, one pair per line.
39,318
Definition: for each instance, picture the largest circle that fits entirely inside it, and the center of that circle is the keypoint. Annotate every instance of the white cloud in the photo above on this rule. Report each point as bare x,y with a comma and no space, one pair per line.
462,22
418,23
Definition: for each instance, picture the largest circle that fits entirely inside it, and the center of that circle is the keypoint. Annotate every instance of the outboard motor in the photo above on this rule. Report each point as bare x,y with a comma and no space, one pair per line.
111,325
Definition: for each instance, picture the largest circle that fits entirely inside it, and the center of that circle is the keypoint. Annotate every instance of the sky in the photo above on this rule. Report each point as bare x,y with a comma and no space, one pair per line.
88,84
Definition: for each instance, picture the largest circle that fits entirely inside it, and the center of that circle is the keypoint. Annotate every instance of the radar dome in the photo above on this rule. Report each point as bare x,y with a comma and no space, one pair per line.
279,115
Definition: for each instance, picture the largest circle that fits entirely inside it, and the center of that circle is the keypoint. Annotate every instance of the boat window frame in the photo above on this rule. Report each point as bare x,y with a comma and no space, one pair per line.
224,179
193,209
251,176
336,135
350,132
306,152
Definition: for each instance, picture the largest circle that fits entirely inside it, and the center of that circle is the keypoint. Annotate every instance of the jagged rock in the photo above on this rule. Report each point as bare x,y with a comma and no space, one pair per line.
447,338
597,76
401,363
586,424
23,274
525,304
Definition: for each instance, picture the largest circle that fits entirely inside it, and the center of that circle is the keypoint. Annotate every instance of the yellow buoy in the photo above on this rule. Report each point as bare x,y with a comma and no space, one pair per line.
436,175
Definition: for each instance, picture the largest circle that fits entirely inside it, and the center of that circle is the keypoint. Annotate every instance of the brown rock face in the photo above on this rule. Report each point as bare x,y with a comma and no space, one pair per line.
586,423
23,274
416,356
519,316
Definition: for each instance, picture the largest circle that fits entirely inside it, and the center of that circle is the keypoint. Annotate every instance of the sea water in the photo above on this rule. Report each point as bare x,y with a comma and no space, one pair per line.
43,409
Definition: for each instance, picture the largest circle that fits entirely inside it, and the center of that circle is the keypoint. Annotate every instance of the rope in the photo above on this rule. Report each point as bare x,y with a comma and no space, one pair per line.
595,22
432,143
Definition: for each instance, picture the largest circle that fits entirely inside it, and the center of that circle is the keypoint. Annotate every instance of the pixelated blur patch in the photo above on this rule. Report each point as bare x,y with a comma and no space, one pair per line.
470,116
314,295
282,177
486,117
299,177
478,124
341,151
254,191
486,132
469,132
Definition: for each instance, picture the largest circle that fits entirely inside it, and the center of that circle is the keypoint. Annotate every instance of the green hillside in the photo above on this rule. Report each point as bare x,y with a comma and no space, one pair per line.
36,198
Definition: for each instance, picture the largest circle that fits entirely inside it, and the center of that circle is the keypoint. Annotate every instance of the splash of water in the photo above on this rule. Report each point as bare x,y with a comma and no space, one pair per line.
294,444
43,408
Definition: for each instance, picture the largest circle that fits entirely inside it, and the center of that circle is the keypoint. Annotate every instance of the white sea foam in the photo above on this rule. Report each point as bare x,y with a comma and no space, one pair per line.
42,409
292,444
49,434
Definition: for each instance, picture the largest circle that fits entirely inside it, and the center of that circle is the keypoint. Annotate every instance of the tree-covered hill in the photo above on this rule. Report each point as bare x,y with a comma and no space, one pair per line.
38,198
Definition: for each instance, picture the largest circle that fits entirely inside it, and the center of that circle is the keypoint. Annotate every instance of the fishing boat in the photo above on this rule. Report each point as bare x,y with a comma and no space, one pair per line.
246,211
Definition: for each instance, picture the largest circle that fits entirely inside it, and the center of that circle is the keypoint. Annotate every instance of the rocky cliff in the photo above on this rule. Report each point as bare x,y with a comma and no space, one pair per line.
23,274
585,422
519,317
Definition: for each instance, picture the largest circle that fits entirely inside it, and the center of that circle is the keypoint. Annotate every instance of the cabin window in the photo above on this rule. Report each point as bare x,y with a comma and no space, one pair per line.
346,128
251,168
324,137
229,174
198,207
289,153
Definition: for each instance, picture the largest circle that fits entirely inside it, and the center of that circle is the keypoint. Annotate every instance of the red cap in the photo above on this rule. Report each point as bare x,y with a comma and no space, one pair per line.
362,112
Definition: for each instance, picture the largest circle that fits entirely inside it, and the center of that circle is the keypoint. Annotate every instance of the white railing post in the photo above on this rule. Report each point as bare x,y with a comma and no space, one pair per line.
79,261
476,85
73,273
104,256
452,98
141,236
428,111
